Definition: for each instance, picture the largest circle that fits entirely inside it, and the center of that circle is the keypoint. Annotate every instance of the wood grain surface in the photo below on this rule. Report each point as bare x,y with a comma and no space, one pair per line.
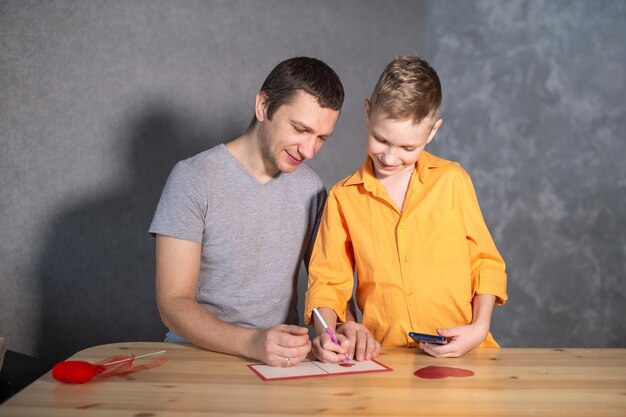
195,382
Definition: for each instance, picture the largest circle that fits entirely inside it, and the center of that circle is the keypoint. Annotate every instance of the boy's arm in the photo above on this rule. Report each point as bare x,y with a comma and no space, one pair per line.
331,269
331,281
177,266
462,339
488,281
324,349
487,266
351,310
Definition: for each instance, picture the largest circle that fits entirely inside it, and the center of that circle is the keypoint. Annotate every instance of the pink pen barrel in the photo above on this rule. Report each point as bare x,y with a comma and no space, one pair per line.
335,341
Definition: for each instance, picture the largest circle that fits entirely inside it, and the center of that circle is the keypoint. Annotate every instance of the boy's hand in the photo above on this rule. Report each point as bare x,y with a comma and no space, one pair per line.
363,346
325,350
461,339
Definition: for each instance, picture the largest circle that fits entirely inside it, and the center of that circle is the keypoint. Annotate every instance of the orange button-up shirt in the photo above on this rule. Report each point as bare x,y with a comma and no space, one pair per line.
417,269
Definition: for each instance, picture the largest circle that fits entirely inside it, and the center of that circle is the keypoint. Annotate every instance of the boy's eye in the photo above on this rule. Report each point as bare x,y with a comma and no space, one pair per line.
409,149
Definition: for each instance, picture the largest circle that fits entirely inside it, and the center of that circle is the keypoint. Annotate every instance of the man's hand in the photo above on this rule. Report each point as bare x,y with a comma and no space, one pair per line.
362,346
325,350
283,345
461,339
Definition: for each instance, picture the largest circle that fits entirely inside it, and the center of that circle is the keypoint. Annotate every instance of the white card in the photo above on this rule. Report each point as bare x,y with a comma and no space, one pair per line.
316,368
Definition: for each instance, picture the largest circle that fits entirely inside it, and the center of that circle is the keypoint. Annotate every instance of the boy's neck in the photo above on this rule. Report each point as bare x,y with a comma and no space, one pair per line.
397,185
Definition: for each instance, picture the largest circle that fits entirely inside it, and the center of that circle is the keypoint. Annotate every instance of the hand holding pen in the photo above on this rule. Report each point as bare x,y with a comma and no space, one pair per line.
346,359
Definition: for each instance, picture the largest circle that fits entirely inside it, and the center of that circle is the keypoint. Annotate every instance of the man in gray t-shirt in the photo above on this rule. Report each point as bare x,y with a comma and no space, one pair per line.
235,222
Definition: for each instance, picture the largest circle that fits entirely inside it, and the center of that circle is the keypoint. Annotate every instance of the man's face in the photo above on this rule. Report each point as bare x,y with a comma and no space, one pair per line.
395,145
296,132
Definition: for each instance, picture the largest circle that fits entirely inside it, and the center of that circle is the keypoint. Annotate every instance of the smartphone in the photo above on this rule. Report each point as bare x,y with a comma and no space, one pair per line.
428,338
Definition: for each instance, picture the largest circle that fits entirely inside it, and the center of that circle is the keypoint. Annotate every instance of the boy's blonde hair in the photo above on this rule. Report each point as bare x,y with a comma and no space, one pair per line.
408,88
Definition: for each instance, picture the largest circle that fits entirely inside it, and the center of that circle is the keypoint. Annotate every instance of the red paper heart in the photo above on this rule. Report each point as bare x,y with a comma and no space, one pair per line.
437,372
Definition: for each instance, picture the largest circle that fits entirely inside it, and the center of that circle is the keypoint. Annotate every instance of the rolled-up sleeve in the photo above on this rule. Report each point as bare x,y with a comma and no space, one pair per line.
331,270
487,266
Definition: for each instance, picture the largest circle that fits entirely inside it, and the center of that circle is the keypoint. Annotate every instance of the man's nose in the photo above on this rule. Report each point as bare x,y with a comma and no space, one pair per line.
307,148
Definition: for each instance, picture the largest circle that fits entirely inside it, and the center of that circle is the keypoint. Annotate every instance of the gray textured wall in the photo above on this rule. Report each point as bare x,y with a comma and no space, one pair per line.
99,99
535,110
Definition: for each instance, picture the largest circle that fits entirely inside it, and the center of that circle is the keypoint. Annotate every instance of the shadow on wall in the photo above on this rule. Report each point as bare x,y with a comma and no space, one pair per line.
96,272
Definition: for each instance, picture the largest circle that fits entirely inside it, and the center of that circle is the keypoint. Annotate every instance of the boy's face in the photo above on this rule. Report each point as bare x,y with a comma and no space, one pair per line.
296,131
395,145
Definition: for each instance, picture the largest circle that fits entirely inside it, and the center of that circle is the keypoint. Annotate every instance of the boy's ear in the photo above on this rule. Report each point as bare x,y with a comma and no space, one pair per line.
434,129
260,106
368,109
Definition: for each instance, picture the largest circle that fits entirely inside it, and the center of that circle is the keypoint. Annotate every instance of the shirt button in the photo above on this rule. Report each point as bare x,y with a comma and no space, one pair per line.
411,293
406,258
401,225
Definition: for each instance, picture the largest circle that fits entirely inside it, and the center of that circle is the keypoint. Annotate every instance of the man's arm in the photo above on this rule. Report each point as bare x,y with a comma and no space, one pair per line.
177,268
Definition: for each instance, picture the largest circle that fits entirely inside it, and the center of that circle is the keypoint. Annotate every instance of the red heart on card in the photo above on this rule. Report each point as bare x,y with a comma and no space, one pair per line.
437,372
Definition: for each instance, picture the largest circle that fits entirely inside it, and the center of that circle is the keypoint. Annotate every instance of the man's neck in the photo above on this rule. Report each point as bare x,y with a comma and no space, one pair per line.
246,150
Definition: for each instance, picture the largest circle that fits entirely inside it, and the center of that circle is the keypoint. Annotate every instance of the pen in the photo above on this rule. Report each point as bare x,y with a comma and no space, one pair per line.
330,333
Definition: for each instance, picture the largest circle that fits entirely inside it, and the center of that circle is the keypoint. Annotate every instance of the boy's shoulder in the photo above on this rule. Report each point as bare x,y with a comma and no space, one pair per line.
431,160
439,172
440,166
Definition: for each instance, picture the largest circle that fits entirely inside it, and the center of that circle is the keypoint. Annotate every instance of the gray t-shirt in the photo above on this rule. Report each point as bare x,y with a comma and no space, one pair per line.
254,236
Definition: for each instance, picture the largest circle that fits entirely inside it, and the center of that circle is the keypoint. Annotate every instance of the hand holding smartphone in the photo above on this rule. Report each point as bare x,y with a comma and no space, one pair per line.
428,338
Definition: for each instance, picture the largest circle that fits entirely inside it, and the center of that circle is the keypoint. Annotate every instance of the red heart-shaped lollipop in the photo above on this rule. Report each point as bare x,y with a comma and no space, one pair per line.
74,372
79,372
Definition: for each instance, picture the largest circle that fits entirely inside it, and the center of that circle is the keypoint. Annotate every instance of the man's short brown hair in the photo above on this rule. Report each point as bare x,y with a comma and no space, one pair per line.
408,88
302,73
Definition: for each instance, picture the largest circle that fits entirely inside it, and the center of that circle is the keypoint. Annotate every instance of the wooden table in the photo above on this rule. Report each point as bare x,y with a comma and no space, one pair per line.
194,382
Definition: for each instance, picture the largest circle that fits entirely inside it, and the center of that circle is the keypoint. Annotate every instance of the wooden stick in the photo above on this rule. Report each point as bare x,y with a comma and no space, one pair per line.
136,357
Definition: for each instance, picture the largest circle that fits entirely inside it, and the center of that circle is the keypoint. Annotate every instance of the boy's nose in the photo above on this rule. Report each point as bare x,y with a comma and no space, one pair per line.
390,157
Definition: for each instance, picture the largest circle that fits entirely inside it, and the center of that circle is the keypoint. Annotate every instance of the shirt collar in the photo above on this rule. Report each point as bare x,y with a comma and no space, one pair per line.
365,175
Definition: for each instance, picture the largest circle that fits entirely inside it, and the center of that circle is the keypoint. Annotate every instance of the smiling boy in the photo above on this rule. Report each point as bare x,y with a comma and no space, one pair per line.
410,223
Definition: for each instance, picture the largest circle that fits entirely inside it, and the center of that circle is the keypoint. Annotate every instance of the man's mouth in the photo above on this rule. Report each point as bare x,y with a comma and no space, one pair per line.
293,159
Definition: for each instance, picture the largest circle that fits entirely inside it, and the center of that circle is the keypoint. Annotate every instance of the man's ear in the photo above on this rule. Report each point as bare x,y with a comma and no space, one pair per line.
260,107
434,129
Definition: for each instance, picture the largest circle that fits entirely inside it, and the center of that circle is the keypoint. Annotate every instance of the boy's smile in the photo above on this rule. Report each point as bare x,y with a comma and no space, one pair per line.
395,145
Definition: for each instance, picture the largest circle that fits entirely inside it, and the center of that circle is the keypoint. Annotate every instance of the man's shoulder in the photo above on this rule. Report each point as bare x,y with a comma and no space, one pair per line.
207,157
306,177
205,164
